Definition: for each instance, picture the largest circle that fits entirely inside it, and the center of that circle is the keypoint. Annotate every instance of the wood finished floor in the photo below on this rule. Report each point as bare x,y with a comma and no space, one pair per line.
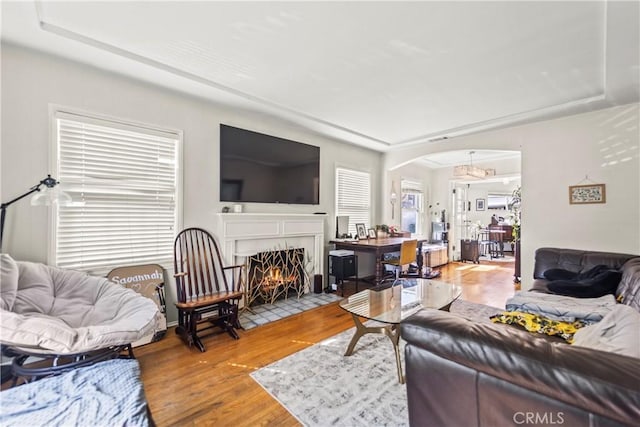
187,388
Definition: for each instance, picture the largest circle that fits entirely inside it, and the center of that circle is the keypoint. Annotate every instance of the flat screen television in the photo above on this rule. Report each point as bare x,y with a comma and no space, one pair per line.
255,167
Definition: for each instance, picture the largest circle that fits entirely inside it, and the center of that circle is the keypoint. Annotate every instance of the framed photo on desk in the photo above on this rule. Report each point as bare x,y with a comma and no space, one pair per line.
361,230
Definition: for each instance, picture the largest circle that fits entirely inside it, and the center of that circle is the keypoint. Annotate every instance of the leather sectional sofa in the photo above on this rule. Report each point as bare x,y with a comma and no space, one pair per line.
460,372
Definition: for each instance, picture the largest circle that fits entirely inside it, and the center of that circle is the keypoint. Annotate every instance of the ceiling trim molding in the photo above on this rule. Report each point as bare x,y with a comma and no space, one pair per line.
521,117
80,38
503,121
380,145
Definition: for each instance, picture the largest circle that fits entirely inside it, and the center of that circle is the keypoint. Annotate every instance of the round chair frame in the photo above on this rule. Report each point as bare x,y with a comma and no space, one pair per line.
56,364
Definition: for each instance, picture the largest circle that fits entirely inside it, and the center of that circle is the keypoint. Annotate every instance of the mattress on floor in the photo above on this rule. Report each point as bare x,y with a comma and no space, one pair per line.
105,394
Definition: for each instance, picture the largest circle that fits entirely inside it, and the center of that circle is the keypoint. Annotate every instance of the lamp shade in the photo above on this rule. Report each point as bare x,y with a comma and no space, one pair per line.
51,196
472,172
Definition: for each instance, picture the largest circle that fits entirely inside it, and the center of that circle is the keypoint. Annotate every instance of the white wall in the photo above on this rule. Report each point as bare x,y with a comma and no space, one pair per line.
603,145
31,82
558,153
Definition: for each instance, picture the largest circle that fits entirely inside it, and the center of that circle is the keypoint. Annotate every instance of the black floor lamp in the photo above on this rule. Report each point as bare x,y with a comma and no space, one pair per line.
47,197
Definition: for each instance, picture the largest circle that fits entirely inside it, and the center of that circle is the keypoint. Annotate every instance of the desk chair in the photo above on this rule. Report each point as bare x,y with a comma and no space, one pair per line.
407,256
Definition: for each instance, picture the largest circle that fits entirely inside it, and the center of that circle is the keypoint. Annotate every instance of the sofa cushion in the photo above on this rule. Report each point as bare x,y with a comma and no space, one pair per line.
617,332
604,283
628,291
8,281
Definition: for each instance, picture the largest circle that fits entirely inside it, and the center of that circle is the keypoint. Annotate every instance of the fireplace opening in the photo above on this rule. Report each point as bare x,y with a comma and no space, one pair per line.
276,274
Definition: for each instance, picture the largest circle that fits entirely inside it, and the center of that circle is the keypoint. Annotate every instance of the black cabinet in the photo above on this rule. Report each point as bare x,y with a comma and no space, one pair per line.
470,251
343,267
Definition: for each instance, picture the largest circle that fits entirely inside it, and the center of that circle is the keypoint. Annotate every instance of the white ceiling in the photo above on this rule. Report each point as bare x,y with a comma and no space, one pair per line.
379,74
457,157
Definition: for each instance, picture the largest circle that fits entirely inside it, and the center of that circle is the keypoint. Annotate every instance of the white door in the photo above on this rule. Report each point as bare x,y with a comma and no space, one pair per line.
460,208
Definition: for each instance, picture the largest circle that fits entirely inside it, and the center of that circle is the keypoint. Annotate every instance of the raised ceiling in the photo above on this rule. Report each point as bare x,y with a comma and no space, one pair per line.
379,74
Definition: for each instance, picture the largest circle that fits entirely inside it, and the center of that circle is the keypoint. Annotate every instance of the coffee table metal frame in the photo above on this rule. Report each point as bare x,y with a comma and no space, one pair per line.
392,311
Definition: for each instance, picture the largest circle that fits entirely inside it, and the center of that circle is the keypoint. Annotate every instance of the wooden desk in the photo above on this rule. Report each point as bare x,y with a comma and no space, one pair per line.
380,247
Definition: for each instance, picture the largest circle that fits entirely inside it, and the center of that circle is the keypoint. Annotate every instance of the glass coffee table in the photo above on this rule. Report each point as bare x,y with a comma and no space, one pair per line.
391,302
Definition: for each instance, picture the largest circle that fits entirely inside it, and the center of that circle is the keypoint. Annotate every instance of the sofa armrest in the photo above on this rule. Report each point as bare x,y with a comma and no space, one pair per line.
598,382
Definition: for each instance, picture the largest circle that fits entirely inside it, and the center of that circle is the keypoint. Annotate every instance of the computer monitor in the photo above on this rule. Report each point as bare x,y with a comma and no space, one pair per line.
342,226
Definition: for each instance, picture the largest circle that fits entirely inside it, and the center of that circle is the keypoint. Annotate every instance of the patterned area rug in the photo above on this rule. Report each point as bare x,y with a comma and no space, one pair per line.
320,386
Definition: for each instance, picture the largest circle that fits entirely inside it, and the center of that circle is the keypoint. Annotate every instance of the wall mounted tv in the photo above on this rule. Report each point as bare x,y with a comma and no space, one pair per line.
255,167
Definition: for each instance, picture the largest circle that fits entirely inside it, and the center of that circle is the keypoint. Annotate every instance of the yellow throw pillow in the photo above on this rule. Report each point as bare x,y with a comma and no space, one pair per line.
539,324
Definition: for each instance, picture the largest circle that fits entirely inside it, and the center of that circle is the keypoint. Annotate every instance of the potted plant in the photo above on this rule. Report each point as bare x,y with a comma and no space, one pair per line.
514,213
382,230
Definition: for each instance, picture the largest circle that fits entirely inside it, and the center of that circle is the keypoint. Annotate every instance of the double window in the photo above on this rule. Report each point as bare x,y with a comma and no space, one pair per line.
353,197
123,180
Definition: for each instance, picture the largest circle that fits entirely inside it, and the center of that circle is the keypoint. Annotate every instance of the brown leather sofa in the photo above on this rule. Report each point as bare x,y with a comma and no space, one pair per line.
573,260
463,373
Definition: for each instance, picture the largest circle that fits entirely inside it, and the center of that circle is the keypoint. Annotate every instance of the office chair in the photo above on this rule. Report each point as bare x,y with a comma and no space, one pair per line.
407,256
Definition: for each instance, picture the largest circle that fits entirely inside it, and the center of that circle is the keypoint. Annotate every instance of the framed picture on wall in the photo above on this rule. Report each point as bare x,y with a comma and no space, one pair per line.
480,204
585,194
362,231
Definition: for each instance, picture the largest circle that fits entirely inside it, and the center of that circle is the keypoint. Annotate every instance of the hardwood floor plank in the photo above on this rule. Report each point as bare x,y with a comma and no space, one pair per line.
185,387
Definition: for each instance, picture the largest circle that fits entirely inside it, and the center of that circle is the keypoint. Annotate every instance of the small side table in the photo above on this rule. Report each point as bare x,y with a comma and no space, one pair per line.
469,251
343,266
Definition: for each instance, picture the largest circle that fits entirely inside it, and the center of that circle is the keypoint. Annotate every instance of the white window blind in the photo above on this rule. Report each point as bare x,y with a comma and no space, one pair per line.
353,197
412,187
123,182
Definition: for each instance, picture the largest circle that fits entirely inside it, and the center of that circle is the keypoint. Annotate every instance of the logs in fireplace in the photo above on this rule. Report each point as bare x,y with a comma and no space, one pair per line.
276,274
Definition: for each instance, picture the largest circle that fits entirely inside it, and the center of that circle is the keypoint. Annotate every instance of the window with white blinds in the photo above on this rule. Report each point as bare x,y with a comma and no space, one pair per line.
123,180
353,197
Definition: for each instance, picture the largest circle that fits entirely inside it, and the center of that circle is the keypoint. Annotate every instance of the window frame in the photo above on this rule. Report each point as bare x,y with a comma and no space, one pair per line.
414,186
352,220
54,165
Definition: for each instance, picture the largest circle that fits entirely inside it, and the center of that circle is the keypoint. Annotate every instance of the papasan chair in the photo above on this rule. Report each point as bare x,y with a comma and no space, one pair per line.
67,317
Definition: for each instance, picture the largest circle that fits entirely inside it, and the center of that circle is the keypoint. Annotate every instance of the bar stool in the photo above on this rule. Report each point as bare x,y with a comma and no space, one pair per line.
484,242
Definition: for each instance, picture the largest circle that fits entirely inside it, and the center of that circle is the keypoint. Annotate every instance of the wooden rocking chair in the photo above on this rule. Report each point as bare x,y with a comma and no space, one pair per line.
204,291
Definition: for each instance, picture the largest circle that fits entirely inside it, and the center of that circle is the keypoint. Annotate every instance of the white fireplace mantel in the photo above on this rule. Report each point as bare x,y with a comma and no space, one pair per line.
245,234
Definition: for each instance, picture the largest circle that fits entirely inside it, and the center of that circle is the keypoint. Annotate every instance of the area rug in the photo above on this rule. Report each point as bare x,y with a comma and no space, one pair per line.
506,258
320,386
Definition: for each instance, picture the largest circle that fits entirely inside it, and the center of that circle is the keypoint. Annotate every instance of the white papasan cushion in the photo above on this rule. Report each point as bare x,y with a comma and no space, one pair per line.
8,281
65,311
